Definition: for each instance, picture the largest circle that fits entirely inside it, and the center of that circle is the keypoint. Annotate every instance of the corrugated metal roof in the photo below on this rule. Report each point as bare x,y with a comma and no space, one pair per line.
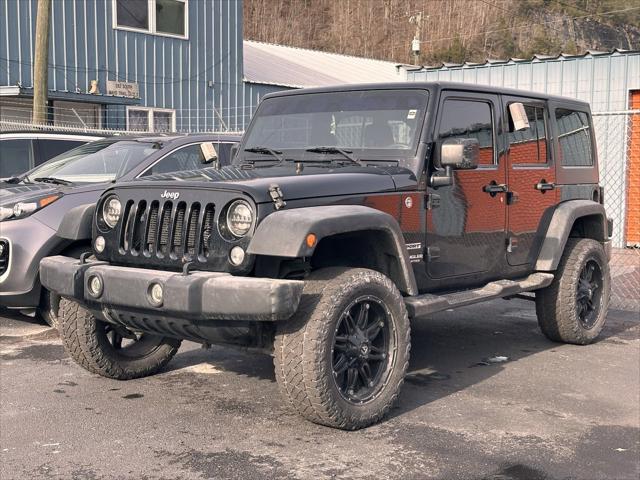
298,68
535,58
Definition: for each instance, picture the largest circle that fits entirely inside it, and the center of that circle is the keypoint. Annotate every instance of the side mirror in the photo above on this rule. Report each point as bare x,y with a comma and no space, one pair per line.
209,152
460,153
455,154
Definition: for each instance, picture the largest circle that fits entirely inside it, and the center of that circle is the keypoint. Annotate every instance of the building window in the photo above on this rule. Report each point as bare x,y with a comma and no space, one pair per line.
77,114
158,120
159,17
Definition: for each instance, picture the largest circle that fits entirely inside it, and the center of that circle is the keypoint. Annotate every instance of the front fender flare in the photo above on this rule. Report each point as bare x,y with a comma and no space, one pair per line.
283,233
77,223
562,221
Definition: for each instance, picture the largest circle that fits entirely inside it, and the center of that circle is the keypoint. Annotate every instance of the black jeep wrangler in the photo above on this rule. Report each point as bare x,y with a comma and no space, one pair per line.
347,212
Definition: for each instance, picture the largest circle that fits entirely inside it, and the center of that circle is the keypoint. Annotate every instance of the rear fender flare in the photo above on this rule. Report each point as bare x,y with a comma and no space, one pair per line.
560,226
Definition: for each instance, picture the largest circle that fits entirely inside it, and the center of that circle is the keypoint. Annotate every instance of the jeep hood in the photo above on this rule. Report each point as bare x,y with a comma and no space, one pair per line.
312,181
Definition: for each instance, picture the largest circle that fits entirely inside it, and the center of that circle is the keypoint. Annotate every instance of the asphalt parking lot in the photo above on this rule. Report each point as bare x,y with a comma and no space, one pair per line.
550,411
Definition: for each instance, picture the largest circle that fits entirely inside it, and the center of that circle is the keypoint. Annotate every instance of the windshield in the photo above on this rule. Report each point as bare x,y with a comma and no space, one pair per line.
370,124
99,161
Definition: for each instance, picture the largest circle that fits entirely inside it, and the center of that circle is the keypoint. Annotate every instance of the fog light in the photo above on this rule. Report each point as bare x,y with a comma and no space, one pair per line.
99,244
236,256
95,286
156,294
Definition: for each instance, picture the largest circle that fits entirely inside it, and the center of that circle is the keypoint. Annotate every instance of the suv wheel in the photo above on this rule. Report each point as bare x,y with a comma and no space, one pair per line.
573,308
341,360
109,350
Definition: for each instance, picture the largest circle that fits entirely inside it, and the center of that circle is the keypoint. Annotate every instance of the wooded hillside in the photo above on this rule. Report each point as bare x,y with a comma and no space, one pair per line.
449,30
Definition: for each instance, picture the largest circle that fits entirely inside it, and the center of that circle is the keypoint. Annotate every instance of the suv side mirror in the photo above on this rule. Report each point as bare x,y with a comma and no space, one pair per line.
455,154
460,153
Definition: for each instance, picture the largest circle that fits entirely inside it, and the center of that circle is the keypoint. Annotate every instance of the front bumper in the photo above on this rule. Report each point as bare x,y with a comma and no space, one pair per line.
197,296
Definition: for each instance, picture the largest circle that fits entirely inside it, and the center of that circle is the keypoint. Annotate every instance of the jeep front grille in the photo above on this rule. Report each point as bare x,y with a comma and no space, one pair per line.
178,230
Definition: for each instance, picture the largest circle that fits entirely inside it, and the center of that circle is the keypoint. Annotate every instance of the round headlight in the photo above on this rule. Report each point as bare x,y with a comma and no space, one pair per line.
239,218
111,210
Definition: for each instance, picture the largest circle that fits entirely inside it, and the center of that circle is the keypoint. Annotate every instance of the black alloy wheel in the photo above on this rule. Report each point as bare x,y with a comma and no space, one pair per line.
589,293
360,353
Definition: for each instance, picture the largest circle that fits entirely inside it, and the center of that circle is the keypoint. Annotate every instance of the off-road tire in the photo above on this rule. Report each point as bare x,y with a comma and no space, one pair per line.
302,349
48,309
82,339
556,305
50,301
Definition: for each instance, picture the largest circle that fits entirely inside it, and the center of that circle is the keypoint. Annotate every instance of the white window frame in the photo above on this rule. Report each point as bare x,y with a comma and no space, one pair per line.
151,15
150,111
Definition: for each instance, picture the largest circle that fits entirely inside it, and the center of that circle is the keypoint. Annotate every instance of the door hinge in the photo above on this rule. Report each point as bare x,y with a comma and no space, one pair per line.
433,253
433,201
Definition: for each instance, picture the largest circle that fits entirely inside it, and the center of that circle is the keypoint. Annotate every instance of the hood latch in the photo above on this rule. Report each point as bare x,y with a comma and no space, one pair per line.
276,195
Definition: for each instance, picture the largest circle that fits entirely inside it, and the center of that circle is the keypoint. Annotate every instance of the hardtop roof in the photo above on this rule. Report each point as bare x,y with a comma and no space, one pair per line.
432,86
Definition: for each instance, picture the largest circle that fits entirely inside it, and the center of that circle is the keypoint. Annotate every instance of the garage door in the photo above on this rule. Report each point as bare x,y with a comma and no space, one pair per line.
633,176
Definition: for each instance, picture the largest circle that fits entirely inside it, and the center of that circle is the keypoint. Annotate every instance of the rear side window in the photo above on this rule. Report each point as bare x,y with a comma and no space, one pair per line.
574,137
16,157
49,148
529,146
469,119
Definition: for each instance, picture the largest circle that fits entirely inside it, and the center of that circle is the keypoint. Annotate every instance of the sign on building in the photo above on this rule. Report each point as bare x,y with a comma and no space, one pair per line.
123,89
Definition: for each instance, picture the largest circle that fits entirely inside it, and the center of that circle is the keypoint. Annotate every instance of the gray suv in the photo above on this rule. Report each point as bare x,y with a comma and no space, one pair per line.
33,205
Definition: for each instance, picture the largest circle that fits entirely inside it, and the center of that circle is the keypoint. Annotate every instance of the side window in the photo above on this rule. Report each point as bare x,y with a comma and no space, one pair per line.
469,119
574,137
48,149
186,158
16,157
529,146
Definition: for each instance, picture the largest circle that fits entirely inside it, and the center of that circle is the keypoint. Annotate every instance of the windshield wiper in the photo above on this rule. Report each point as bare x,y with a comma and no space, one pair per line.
267,151
54,180
342,151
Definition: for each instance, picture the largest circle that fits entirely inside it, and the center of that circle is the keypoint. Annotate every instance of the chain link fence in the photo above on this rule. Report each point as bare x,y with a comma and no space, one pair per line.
618,138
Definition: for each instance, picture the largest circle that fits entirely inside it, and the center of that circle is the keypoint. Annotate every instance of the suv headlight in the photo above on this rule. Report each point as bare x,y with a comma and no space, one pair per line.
239,218
17,210
111,210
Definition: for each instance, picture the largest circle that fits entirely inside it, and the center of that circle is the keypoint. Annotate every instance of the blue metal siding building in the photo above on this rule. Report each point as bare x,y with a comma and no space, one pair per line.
199,77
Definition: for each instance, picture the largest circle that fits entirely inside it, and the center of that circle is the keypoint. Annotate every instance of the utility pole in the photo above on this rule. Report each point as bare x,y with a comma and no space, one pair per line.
41,63
415,43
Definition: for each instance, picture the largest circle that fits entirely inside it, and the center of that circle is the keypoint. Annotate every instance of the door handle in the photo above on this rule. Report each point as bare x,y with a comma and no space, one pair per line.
543,186
494,188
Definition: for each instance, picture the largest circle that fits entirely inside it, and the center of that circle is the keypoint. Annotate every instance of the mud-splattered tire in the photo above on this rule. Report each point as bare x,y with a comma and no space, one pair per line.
573,309
86,340
341,360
